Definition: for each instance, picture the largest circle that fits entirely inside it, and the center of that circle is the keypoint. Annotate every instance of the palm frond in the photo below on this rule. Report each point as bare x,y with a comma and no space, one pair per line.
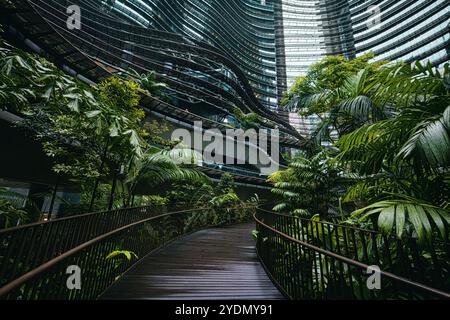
322,133
368,146
280,207
225,200
162,168
394,216
403,84
359,107
306,100
430,142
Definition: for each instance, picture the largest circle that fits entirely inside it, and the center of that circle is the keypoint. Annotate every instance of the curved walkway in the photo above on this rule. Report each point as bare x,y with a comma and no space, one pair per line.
213,264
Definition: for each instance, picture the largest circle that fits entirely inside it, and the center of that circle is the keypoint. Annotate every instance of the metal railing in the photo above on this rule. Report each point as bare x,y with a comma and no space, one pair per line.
25,247
310,259
140,236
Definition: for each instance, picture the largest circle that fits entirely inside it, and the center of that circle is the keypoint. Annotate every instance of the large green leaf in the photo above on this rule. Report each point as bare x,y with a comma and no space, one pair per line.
414,218
93,114
129,255
423,217
386,219
74,105
430,142
400,219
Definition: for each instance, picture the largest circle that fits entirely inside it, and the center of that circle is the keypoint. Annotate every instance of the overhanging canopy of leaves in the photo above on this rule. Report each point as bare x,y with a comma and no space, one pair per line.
416,131
398,215
310,93
75,122
394,134
310,185
406,156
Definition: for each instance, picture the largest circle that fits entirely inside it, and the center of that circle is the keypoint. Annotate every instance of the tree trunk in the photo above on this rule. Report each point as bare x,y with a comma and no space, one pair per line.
113,190
97,181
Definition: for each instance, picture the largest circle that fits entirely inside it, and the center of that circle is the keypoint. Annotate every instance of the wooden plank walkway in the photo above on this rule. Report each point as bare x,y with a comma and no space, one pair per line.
213,264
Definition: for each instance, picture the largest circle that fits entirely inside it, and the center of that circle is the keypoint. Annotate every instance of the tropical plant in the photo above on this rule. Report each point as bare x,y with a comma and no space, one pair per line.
393,123
89,132
129,255
225,185
310,185
69,118
225,207
10,215
191,195
147,81
407,216
156,129
247,120
17,72
309,94
405,156
152,200
17,209
155,172
121,256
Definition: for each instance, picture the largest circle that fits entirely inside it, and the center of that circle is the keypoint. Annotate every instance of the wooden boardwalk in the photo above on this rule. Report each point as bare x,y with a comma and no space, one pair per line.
213,264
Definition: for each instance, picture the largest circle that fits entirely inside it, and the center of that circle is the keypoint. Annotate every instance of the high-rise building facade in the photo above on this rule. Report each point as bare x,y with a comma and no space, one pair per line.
404,30
242,30
312,30
395,30
218,55
275,41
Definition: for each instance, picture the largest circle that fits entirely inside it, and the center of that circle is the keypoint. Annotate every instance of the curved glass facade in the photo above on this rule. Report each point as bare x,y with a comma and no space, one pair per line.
218,55
313,29
204,83
394,30
403,29
242,30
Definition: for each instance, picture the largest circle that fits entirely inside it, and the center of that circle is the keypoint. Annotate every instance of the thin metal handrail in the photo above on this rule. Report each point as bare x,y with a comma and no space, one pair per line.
42,268
34,283
322,222
25,247
345,260
78,216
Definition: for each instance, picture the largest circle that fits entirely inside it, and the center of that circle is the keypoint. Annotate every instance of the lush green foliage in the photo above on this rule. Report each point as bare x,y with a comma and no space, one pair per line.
327,75
147,82
153,172
129,255
393,123
251,120
95,134
408,151
10,215
226,206
121,257
310,186
155,129
74,122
